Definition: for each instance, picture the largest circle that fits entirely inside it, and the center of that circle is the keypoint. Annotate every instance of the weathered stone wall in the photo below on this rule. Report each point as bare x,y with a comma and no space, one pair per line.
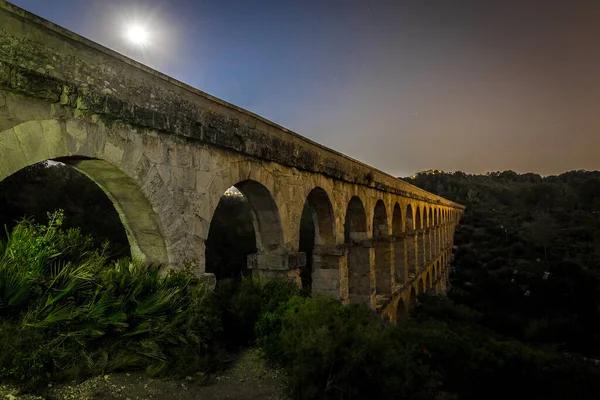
165,153
42,60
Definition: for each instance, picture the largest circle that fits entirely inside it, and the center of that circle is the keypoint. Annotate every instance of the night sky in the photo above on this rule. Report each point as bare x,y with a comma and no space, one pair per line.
405,86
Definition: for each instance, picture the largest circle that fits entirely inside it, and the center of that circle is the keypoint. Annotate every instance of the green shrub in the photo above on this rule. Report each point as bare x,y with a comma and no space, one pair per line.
242,302
67,312
440,307
475,362
331,351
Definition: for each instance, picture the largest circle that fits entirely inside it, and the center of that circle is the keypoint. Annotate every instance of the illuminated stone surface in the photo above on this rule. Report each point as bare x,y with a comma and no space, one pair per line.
165,153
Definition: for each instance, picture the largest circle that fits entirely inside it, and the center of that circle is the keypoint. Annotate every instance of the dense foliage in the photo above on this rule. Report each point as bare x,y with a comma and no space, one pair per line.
521,319
528,254
331,351
66,311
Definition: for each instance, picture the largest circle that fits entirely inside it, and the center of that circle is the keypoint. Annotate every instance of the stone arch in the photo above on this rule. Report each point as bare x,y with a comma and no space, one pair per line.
430,238
438,232
358,256
429,284
383,250
321,264
401,309
412,298
410,242
420,222
380,220
435,234
399,246
103,159
321,210
443,230
409,219
421,286
265,214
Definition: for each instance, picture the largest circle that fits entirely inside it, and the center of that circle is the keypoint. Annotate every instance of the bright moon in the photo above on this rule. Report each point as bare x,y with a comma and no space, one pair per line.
137,35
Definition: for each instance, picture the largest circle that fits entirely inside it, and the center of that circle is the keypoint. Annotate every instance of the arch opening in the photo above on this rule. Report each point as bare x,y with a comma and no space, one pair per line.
437,232
429,283
267,223
358,255
420,220
401,310
317,227
72,142
412,300
411,243
399,246
42,188
245,223
383,250
430,237
231,237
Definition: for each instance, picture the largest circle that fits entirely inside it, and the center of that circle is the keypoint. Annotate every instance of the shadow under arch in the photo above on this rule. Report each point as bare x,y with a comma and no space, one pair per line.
420,238
265,214
32,142
358,256
139,219
317,232
399,246
412,299
410,242
421,286
429,284
401,310
383,272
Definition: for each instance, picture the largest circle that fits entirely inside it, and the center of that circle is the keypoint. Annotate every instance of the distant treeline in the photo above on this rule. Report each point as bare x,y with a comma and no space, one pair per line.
528,253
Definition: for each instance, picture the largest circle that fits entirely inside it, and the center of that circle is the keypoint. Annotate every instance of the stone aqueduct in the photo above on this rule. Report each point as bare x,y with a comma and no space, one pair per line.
165,153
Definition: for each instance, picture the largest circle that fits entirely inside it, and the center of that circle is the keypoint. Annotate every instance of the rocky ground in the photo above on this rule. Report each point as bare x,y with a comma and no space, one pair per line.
247,379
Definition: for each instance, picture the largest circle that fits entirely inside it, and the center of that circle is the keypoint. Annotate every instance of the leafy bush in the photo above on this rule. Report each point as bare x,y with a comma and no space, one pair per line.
331,351
476,362
242,302
67,312
441,308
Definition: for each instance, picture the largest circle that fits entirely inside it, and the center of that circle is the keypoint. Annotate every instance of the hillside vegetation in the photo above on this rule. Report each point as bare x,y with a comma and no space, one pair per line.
527,255
520,320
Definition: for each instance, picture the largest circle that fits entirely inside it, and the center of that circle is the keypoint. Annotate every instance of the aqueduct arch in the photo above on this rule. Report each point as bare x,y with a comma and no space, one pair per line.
399,246
165,153
429,284
76,144
322,260
383,250
421,285
411,243
359,254
267,222
412,298
401,309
